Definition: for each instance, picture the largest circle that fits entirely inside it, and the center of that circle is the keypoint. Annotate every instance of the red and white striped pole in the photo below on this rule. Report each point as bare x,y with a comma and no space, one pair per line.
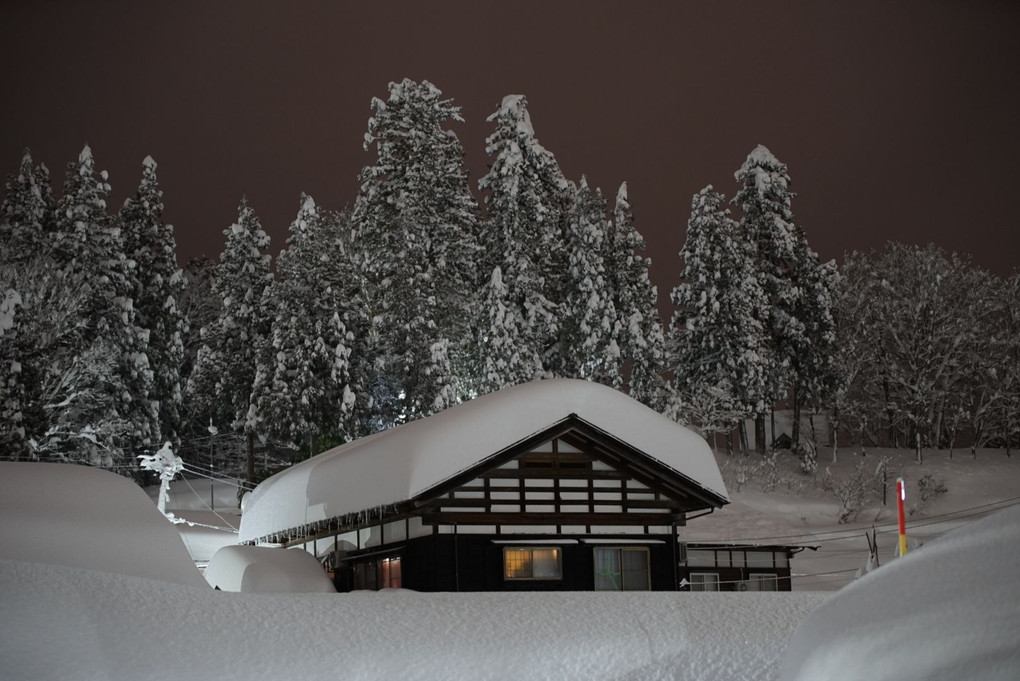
901,496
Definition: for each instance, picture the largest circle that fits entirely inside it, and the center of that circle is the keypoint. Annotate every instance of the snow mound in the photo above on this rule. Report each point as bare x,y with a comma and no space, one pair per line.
84,517
62,623
400,463
947,611
265,570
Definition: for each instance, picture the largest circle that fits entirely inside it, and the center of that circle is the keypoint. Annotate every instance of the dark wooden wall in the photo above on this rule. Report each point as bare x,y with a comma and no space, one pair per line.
465,562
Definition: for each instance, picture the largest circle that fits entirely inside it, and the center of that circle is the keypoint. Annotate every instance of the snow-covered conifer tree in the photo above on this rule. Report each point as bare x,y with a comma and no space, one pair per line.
415,223
528,201
224,375
717,339
634,297
90,248
149,242
814,368
509,357
589,327
304,389
14,392
26,216
767,222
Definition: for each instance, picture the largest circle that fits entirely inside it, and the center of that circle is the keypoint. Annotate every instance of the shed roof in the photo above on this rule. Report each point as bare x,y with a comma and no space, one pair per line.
404,462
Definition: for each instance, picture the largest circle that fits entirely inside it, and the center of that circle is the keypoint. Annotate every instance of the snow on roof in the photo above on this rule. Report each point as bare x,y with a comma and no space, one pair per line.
267,570
948,610
84,517
403,462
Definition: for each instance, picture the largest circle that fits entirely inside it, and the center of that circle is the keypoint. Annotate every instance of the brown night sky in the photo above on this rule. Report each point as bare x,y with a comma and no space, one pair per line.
898,120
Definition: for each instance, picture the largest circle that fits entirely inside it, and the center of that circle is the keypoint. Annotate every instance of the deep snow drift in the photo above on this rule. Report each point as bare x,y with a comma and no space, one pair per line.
948,611
261,569
87,517
78,624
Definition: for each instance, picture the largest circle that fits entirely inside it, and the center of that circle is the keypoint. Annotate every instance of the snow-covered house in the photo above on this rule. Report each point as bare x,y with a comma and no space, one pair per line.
557,485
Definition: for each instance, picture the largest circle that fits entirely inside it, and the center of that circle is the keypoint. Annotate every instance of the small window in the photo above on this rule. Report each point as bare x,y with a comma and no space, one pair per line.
704,581
764,582
532,563
700,558
621,569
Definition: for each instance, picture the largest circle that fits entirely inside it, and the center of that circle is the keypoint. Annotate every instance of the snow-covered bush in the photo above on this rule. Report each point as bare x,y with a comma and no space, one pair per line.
807,453
853,492
766,471
929,488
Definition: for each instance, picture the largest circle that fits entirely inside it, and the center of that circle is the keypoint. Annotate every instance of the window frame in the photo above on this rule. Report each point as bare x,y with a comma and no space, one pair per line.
620,549
699,573
532,548
760,577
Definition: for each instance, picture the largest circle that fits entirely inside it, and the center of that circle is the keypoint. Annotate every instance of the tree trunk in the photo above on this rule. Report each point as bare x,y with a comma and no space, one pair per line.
814,438
250,463
795,430
759,433
889,415
952,439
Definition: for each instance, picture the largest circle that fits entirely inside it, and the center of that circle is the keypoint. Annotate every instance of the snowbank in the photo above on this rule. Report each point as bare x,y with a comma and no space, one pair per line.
948,611
85,517
261,569
77,624
400,463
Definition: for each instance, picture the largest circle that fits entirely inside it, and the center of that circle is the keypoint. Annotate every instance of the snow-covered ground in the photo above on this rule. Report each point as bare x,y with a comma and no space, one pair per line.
60,622
799,511
948,610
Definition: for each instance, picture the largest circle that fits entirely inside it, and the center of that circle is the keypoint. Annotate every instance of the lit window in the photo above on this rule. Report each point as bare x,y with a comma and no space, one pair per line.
532,563
621,569
704,581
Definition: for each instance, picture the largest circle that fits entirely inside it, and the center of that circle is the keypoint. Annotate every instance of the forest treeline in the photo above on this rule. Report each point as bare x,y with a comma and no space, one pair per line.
416,297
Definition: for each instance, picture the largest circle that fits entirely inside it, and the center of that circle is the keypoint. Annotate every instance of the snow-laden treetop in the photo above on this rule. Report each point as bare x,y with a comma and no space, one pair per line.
515,107
621,196
403,462
767,171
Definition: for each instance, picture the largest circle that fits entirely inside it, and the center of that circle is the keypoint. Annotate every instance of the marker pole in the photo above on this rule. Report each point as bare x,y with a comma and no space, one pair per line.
901,496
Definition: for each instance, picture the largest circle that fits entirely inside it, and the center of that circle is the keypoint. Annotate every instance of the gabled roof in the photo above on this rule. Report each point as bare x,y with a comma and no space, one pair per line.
408,461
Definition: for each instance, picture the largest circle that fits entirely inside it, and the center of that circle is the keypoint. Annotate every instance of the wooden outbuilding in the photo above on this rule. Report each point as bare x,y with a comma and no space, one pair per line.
736,567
